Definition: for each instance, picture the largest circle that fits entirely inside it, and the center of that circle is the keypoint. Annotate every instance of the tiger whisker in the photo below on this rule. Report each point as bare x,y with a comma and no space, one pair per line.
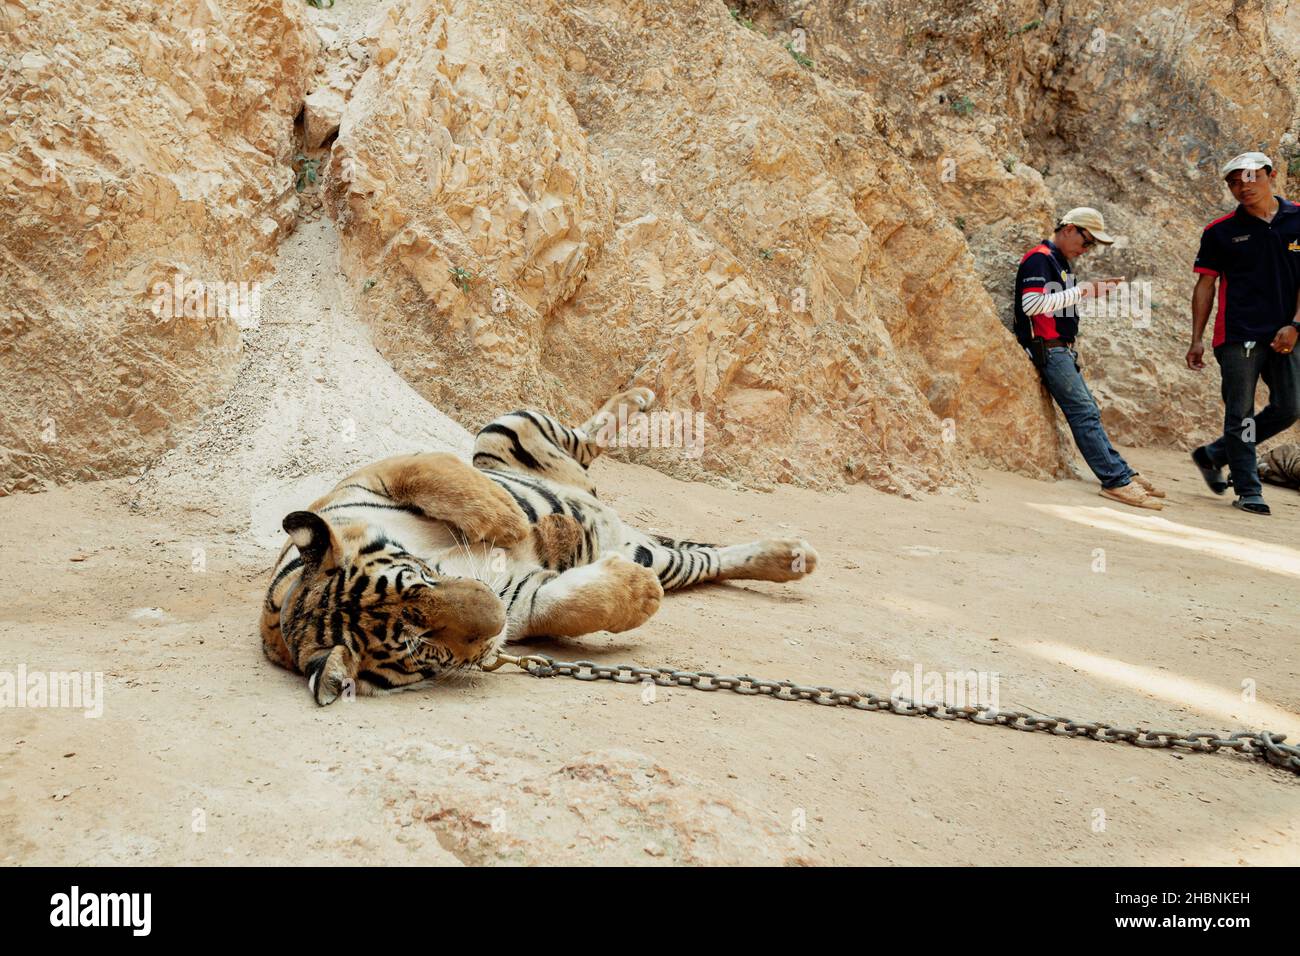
469,558
496,577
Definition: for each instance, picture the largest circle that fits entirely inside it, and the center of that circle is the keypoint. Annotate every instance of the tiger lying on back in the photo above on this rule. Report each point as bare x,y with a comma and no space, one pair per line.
421,564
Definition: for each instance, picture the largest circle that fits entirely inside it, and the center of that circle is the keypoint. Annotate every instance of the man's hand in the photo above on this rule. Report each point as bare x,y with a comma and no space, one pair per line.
1099,287
1196,356
1284,341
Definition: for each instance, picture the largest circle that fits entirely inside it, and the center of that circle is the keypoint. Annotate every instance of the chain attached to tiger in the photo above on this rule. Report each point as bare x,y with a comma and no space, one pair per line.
1263,744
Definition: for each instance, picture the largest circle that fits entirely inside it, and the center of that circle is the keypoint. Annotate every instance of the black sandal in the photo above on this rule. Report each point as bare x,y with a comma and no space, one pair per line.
1256,506
1213,476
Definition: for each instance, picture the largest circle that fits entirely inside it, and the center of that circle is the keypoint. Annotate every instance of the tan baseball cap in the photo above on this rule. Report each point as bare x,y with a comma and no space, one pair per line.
1245,161
1088,218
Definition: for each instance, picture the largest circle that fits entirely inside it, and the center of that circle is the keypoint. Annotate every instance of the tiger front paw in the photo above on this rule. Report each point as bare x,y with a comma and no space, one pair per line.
331,676
495,518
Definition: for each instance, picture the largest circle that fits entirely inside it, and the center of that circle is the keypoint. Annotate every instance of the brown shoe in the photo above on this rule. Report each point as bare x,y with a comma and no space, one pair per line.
1149,488
1132,494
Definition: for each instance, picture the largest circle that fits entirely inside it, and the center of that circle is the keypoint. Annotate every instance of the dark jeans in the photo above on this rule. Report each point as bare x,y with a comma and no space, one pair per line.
1064,381
1241,373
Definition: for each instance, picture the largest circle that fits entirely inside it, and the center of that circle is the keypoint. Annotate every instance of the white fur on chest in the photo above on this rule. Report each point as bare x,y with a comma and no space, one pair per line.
423,538
434,543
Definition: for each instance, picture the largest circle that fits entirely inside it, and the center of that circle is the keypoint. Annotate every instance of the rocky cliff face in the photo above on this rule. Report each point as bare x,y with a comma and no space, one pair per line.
145,152
797,219
656,194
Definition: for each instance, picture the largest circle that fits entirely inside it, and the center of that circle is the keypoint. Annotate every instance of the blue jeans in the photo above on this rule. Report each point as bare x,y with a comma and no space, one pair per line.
1061,373
1241,373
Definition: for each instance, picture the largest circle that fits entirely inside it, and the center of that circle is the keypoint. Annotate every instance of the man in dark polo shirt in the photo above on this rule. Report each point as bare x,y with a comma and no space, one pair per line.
1253,255
1046,325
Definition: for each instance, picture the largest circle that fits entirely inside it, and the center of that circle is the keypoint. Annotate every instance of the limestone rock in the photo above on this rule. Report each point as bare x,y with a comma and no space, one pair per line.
144,164
322,111
558,201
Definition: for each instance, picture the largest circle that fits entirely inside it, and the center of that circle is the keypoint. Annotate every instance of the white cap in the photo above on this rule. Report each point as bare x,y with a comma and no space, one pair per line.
1245,161
1089,219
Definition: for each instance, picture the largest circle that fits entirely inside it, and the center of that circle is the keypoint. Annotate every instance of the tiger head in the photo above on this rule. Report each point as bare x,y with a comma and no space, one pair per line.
366,610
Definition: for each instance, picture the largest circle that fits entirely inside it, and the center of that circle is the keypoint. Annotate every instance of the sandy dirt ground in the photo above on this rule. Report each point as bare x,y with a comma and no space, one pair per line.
205,753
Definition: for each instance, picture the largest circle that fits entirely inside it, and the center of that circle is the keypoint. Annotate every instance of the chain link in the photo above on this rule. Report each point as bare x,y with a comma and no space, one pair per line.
1262,744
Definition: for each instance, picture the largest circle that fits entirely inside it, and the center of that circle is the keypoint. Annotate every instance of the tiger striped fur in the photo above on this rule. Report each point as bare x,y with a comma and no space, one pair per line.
422,564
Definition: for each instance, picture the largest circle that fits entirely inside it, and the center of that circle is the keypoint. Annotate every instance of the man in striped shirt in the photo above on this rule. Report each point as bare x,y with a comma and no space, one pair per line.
1047,324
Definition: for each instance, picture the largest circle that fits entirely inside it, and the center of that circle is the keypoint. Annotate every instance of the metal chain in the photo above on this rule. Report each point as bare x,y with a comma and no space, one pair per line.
1263,744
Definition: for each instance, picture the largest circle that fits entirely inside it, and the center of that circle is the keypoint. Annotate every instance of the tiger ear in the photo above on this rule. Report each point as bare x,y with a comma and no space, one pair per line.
313,537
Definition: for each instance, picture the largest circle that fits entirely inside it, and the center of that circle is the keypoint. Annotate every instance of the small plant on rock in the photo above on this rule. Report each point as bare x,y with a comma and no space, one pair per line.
963,105
307,174
802,59
462,278
743,20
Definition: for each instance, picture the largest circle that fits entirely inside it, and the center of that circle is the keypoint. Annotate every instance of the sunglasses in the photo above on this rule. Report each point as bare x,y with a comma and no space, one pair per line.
1088,241
1246,177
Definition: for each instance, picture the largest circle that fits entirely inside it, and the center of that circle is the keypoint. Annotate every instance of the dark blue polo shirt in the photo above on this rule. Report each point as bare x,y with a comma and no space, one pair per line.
1258,267
1045,269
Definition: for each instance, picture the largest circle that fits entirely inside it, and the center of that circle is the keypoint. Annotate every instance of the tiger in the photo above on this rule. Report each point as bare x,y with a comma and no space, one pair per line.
424,564
1280,465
